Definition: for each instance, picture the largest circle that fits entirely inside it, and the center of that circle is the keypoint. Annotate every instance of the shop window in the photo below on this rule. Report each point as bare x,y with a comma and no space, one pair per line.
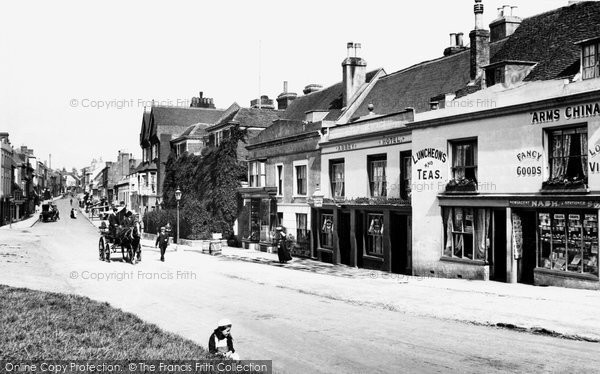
377,175
591,61
464,160
280,180
301,179
265,221
375,234
336,176
256,174
568,154
301,228
467,233
327,230
405,175
568,241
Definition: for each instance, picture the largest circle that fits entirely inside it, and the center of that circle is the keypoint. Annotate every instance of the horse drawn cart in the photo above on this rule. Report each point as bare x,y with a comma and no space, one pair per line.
49,213
125,238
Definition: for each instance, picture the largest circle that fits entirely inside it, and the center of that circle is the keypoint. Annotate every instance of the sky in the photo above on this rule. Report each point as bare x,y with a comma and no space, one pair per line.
75,75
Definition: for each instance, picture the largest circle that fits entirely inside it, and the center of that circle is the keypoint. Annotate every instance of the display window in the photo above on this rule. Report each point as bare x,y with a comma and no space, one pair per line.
568,241
467,233
375,234
326,236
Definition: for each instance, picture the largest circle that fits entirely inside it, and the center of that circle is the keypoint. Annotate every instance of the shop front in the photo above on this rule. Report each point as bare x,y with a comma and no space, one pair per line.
365,236
556,241
258,218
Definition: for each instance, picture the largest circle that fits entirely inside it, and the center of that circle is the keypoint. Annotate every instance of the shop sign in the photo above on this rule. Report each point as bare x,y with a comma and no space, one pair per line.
318,201
529,156
568,113
554,204
429,170
346,147
393,140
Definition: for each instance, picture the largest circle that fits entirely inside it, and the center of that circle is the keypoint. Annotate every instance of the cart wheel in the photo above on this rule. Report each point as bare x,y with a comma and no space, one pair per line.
101,248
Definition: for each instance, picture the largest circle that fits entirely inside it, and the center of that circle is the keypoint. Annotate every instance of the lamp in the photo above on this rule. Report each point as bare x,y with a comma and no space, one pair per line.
178,197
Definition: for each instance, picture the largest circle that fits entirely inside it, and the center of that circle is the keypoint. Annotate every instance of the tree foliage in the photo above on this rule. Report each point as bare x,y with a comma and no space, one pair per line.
209,182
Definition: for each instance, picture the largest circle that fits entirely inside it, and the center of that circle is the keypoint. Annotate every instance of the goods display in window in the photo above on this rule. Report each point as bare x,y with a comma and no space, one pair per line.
568,242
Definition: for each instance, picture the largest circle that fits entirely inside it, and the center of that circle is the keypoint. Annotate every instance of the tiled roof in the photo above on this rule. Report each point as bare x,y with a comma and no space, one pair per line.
173,120
549,38
196,131
247,117
415,86
328,99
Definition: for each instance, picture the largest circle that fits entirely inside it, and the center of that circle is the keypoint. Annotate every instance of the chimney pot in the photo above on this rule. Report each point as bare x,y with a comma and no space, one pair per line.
285,86
506,10
459,39
452,39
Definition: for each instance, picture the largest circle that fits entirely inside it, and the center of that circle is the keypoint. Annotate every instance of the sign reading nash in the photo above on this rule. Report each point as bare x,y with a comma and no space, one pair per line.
570,112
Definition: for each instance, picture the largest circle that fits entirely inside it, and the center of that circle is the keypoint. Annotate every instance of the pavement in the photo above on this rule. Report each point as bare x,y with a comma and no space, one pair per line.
553,311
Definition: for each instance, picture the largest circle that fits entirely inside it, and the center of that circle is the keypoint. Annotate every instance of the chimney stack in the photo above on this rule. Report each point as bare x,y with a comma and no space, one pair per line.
285,98
202,102
505,25
312,88
354,72
456,44
480,45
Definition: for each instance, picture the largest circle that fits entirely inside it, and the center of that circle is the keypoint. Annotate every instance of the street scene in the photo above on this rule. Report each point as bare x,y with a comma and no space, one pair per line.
222,200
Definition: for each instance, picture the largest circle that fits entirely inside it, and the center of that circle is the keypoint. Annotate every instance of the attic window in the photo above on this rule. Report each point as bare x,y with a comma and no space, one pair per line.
591,60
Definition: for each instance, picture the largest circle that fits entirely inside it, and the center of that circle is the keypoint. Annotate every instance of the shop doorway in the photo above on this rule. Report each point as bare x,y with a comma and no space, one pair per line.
399,237
526,264
498,258
344,238
359,237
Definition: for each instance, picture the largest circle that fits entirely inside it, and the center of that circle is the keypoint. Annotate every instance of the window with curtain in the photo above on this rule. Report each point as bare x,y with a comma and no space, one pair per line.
256,174
375,234
464,160
301,181
467,233
591,61
336,176
377,175
568,153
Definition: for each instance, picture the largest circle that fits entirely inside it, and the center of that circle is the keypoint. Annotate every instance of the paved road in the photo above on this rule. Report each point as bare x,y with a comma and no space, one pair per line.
300,332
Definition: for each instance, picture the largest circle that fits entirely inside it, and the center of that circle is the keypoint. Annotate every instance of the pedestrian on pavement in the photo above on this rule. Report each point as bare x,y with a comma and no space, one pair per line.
221,342
71,201
280,242
162,241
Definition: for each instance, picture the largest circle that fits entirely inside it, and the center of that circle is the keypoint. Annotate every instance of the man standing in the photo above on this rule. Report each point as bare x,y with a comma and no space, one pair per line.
162,241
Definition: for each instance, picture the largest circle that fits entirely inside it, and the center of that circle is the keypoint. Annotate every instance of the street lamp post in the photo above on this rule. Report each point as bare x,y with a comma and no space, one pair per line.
178,197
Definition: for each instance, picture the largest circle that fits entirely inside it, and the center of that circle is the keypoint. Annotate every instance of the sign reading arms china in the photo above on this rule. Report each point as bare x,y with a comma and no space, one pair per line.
570,112
581,204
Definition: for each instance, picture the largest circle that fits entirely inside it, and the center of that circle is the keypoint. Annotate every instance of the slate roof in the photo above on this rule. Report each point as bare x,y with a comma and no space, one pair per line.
416,85
329,99
549,39
248,117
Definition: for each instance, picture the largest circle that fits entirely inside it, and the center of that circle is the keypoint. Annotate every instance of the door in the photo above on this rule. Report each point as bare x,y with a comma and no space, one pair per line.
526,264
344,238
399,237
498,258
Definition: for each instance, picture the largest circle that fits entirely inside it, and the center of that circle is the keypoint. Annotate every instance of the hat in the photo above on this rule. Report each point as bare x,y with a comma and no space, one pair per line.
224,322
163,228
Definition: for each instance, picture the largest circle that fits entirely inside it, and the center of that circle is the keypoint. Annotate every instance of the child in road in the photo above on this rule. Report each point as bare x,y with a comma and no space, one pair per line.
221,343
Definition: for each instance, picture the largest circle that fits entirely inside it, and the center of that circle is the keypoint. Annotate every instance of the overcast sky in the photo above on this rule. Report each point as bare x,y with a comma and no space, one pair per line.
61,60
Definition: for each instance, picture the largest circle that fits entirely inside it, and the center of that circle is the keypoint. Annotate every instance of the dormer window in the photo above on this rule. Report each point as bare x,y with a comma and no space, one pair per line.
590,66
